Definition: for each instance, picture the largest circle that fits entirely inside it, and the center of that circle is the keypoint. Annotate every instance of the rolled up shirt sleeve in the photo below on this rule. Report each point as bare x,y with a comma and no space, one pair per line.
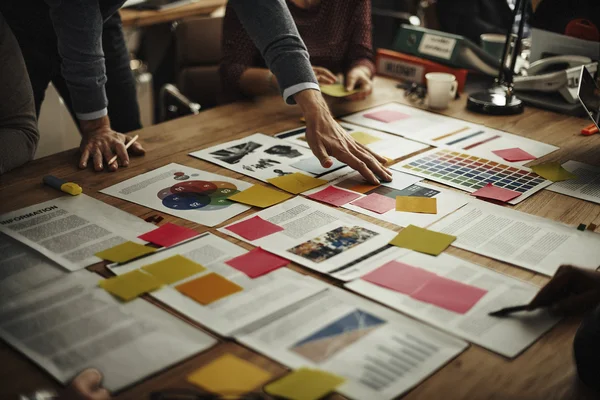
273,31
78,27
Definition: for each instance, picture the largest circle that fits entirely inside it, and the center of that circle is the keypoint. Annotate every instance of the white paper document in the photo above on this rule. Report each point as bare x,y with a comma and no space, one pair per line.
506,336
525,240
381,353
183,192
318,236
22,268
259,298
442,131
71,229
382,143
263,157
586,186
71,325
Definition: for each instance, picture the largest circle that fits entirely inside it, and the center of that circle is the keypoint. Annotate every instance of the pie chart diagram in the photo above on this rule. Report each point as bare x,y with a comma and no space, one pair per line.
198,195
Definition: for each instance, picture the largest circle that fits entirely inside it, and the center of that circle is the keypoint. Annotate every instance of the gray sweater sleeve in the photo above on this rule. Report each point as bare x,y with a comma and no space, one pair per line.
272,28
18,126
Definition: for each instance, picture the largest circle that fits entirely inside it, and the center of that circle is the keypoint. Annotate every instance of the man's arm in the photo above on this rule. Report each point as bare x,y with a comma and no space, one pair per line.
271,27
18,126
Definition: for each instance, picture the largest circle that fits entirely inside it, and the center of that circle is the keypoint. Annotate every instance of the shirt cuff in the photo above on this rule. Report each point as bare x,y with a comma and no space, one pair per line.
92,115
288,93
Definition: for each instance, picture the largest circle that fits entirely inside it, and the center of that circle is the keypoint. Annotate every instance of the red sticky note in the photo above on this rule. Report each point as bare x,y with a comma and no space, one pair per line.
400,277
376,203
257,262
490,191
334,196
514,154
448,294
168,235
387,116
254,228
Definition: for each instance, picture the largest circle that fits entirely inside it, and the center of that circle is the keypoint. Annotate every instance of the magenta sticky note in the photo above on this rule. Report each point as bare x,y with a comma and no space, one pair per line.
257,262
168,235
514,154
376,203
386,116
490,191
449,294
400,277
254,228
334,196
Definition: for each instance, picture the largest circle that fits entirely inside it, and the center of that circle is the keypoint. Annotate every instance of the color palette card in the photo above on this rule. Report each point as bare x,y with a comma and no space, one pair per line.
470,173
305,384
257,262
124,252
422,240
296,183
492,192
130,285
449,294
254,228
168,235
376,203
386,116
514,154
260,196
416,204
209,288
400,277
334,196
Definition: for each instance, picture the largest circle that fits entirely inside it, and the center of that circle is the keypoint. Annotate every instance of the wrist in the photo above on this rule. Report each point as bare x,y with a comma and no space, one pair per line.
311,102
93,125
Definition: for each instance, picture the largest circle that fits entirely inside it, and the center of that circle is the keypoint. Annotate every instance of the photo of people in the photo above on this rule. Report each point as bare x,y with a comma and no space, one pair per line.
283,151
332,243
233,155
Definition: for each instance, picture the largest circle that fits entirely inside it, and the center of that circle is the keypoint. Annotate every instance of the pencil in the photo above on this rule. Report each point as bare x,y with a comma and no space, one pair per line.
132,141
509,310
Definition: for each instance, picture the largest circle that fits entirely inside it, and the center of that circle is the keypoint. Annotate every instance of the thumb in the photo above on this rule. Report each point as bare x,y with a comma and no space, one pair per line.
137,149
350,81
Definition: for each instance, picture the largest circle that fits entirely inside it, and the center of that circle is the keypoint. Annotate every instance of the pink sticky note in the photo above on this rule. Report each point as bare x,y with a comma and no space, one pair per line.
386,116
400,277
257,262
490,191
168,235
514,154
334,196
448,294
376,203
254,228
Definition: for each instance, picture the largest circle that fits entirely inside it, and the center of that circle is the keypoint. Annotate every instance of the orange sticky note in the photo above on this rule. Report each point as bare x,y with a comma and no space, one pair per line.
209,288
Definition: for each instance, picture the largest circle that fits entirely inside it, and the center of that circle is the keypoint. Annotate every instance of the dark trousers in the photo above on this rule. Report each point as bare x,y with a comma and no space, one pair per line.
38,43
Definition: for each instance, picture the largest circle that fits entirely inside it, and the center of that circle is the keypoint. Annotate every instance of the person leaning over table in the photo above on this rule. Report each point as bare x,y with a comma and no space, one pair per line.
337,34
78,26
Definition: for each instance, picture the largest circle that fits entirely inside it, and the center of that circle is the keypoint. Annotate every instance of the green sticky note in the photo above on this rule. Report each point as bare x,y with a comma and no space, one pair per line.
124,252
337,90
553,171
422,240
305,384
173,269
130,285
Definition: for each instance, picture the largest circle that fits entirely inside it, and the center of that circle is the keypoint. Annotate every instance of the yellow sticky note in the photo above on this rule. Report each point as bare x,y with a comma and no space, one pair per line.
260,196
416,204
304,384
124,252
229,375
296,183
553,171
130,285
173,269
209,288
422,240
337,90
364,138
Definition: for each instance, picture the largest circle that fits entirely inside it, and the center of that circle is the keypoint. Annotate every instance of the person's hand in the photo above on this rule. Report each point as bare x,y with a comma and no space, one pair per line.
99,141
359,78
571,290
324,76
86,386
327,138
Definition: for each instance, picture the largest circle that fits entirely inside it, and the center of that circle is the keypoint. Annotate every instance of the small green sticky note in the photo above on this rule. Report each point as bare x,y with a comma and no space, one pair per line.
422,240
124,252
337,90
553,171
130,285
305,384
173,269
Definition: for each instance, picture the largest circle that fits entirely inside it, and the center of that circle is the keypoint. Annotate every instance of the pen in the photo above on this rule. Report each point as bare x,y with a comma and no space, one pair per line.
132,141
504,312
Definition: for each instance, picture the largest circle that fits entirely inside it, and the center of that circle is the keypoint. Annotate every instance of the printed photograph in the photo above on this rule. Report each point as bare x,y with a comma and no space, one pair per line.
233,155
332,243
283,150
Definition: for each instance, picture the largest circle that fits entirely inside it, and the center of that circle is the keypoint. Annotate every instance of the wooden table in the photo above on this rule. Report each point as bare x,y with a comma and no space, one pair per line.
544,371
136,18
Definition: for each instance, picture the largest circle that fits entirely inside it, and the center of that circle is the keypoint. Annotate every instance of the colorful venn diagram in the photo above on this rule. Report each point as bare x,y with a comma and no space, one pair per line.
198,195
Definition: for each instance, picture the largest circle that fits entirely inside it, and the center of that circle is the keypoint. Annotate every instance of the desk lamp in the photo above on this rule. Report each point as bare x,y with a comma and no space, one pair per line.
500,98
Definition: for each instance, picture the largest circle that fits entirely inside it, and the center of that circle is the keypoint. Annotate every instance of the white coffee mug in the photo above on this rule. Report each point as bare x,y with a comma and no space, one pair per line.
441,88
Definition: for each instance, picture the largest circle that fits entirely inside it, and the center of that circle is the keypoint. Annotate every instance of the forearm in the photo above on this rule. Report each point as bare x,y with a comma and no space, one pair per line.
257,82
18,146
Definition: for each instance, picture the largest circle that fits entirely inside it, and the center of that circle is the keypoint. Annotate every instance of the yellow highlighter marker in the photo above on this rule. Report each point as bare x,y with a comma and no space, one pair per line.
68,187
